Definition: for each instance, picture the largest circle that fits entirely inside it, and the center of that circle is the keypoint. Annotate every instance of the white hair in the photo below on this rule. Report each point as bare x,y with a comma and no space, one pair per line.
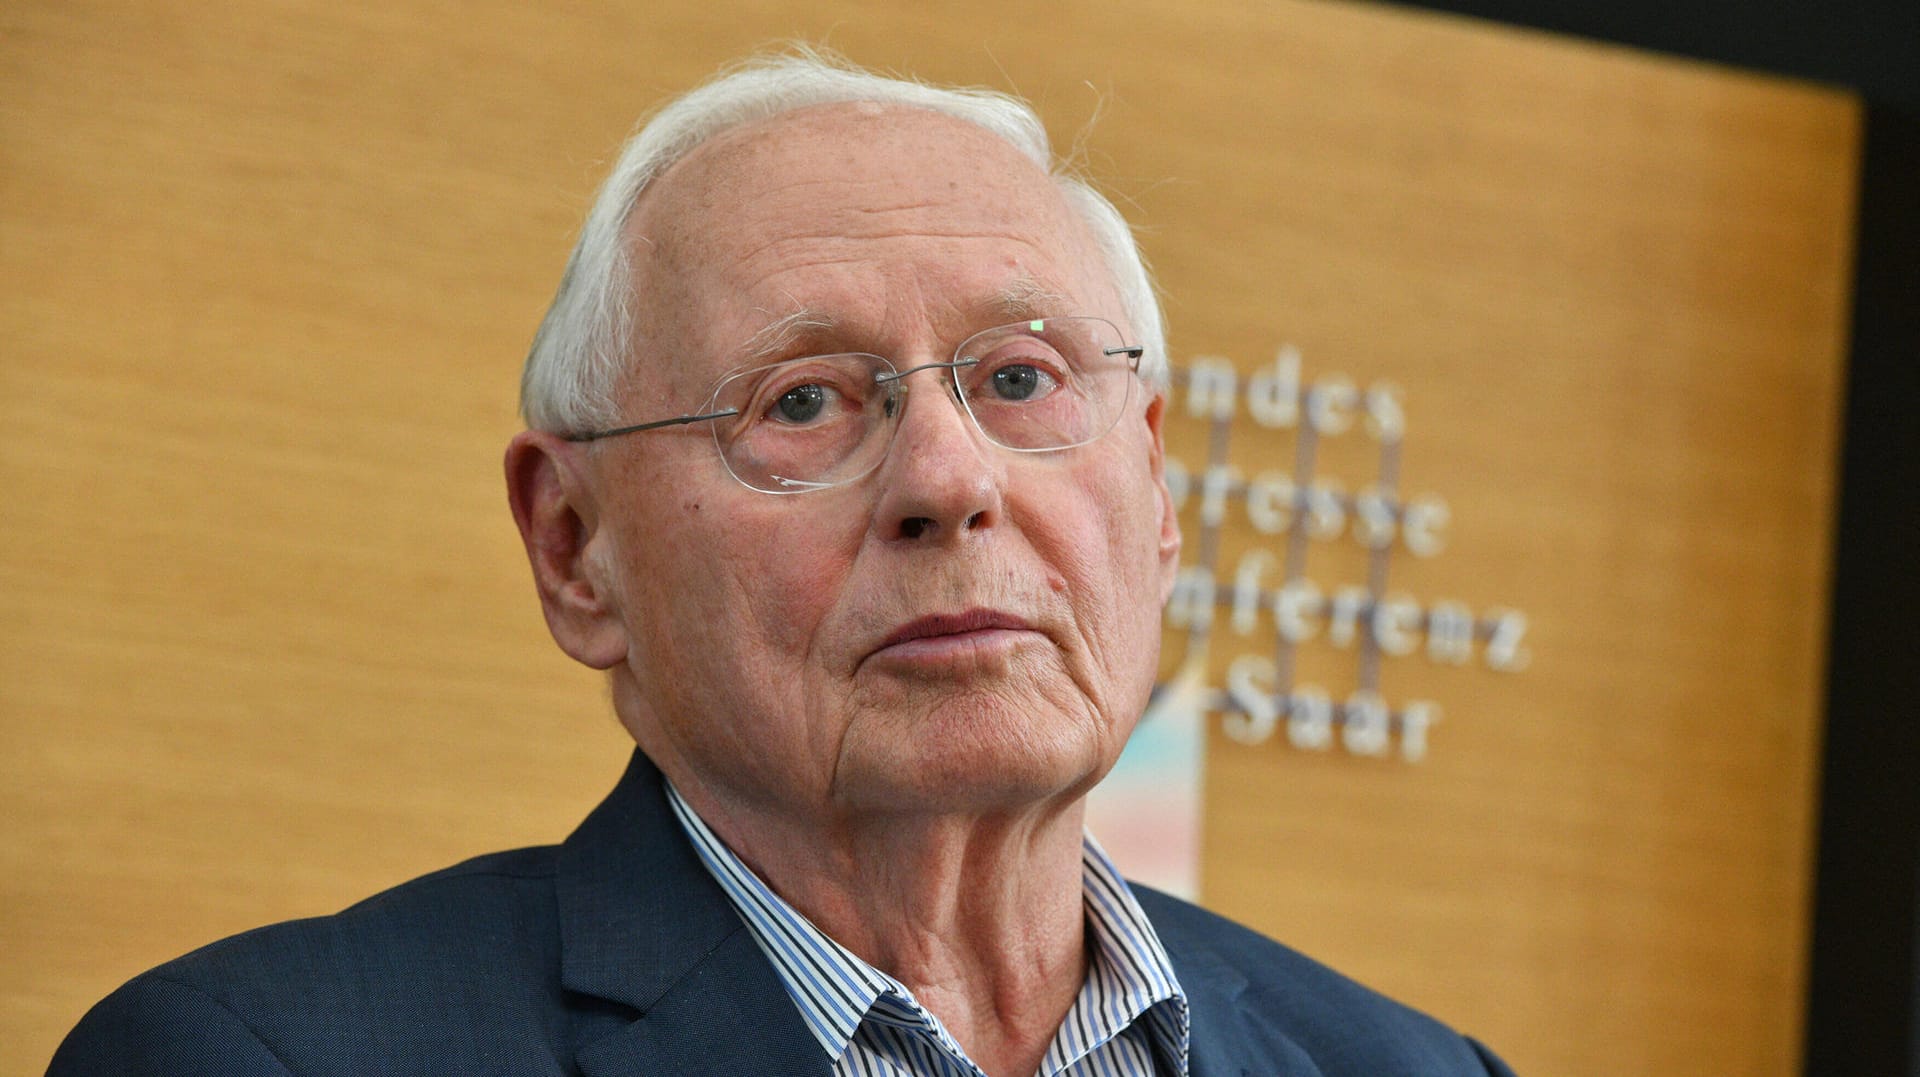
584,343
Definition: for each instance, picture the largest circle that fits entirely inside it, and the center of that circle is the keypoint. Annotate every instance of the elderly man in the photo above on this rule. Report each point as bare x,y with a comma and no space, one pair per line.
844,461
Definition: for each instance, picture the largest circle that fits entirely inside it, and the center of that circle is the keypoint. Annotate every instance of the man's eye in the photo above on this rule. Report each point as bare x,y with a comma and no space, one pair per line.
800,404
1021,381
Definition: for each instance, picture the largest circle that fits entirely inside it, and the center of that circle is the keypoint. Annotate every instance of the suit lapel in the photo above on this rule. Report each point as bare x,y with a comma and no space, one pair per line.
643,925
728,1015
1213,991
1230,1034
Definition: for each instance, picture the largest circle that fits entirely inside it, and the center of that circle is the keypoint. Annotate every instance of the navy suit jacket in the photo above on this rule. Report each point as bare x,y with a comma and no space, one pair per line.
617,954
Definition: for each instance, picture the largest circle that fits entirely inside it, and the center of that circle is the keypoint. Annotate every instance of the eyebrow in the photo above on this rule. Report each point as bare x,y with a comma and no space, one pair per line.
783,332
1026,298
1022,299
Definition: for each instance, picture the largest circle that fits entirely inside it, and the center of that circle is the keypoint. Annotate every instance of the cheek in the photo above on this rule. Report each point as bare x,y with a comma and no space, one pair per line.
760,576
730,621
788,578
1130,530
1096,549
1123,502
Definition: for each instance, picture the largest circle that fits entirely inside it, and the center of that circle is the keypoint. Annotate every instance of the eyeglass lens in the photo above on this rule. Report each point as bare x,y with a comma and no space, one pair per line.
1032,386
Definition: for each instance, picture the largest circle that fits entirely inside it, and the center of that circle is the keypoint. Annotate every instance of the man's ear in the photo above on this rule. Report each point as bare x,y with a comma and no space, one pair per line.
1169,517
554,505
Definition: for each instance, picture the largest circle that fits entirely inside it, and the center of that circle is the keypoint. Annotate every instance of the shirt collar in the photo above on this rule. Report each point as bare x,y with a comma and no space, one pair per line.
1129,975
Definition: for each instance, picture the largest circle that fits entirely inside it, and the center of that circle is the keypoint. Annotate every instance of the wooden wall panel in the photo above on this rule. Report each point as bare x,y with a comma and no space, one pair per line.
266,642
1612,292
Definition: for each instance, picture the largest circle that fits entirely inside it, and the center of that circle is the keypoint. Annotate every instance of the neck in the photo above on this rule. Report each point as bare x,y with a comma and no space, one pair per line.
981,917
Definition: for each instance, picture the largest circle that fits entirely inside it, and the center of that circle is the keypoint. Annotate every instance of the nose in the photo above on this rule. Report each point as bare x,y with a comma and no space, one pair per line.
941,480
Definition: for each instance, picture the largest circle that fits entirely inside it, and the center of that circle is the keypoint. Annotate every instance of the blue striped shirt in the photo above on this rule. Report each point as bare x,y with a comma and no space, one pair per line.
1129,1020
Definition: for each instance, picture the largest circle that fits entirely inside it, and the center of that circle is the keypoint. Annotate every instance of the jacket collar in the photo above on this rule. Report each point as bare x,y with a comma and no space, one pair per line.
1234,1030
644,926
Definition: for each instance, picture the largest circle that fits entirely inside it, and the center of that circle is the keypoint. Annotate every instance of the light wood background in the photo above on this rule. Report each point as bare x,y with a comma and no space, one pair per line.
267,272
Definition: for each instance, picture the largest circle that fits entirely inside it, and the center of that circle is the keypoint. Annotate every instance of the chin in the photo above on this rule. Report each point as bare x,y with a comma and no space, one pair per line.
982,760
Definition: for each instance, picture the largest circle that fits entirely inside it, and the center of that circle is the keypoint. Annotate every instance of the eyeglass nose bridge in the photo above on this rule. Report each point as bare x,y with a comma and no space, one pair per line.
887,379
895,391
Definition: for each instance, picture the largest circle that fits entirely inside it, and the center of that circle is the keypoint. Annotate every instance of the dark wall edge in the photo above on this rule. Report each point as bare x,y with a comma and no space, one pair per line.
1872,46
1863,1013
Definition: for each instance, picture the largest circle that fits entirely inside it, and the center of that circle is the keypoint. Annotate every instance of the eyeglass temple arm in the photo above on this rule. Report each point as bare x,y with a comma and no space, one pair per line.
683,420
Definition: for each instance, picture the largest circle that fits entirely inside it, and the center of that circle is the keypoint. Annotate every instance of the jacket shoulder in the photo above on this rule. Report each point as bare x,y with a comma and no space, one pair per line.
467,953
1296,1008
492,906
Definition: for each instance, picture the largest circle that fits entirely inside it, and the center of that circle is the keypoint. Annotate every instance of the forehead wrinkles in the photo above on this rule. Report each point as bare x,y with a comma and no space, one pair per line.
840,170
831,185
